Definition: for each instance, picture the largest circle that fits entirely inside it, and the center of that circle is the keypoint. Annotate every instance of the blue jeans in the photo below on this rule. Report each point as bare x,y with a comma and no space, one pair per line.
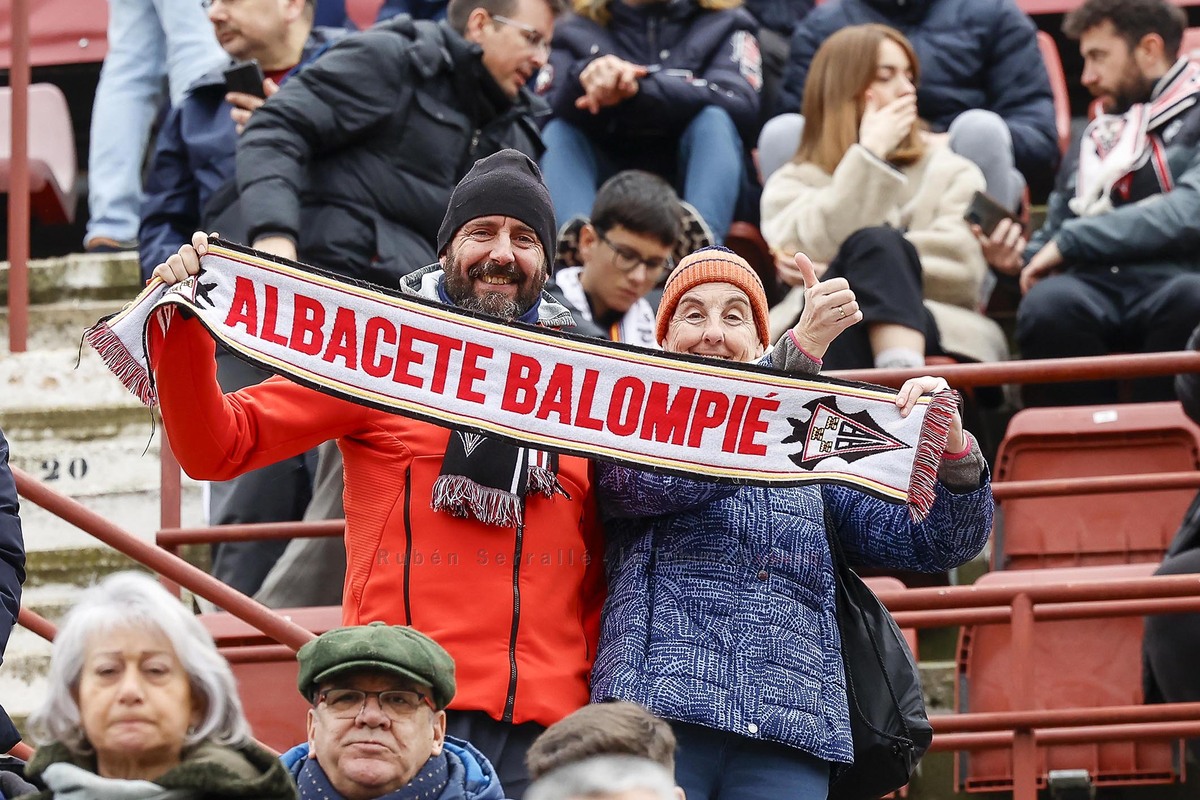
707,171
148,40
715,765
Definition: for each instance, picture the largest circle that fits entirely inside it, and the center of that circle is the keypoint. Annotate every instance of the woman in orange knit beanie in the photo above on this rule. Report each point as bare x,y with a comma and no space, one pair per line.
721,613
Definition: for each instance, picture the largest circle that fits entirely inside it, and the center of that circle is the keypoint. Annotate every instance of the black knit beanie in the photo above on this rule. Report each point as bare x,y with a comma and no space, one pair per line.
507,184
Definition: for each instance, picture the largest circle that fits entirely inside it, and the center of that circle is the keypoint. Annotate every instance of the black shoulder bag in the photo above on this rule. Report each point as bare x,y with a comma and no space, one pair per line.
887,710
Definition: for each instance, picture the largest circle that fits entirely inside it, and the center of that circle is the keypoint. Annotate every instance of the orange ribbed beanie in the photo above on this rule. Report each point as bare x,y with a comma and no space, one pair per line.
714,265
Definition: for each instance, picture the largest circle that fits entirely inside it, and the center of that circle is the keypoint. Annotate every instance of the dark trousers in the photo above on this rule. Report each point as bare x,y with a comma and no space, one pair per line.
715,765
276,493
504,744
885,273
1171,647
1102,311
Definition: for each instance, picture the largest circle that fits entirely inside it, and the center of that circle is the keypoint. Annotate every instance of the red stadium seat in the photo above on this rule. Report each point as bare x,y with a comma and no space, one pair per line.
51,152
1081,441
1077,663
267,680
1058,88
60,32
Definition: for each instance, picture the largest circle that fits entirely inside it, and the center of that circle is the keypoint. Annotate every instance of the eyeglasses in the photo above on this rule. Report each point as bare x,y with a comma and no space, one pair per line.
626,259
398,704
531,35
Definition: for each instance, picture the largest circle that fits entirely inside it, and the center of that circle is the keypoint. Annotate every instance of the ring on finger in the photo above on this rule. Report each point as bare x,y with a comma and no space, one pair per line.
841,312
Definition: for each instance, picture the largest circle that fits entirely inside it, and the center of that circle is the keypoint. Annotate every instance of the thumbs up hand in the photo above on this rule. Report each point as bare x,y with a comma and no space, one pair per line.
829,308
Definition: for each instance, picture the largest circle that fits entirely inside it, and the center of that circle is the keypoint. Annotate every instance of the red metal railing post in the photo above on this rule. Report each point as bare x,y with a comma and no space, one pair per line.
1024,753
18,182
170,498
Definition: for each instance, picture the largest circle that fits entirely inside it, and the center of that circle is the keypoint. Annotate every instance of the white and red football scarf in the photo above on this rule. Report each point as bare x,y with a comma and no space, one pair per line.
1116,146
697,417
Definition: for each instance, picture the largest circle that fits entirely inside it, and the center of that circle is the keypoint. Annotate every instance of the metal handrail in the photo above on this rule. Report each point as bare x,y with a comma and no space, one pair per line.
1049,370
170,566
1024,730
1082,591
171,539
33,621
1100,484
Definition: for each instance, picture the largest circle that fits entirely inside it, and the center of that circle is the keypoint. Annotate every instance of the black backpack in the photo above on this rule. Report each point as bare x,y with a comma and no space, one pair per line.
888,723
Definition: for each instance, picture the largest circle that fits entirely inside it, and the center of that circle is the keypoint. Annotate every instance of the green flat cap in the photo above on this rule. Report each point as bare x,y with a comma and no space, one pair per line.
396,649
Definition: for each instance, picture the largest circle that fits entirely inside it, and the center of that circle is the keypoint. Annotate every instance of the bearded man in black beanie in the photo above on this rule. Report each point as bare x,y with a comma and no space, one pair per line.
496,244
491,549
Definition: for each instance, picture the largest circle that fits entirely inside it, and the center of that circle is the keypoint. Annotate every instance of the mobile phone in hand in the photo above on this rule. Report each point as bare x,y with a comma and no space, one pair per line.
986,213
245,77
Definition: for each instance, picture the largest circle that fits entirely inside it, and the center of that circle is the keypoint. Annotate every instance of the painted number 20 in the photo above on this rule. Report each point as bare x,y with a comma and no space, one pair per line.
52,469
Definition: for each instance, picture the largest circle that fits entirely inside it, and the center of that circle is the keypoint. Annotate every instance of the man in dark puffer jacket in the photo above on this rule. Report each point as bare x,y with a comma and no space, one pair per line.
351,164
982,81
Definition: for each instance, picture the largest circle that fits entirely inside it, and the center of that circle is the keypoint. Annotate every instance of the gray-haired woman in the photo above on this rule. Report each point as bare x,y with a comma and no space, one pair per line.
141,705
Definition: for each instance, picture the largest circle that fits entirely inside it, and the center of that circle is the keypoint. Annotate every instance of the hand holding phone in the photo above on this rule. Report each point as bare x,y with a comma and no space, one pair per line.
999,234
245,77
986,213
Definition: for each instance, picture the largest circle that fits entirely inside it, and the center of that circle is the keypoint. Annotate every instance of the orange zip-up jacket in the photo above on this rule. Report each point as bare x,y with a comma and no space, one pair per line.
518,608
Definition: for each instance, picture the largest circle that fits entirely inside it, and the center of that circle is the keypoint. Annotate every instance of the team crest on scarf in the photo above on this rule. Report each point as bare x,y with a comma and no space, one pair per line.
831,433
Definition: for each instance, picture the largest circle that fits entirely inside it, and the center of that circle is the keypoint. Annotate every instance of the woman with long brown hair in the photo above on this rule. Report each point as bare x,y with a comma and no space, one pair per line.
873,197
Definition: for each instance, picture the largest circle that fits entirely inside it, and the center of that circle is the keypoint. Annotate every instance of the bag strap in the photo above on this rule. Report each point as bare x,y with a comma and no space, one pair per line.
841,565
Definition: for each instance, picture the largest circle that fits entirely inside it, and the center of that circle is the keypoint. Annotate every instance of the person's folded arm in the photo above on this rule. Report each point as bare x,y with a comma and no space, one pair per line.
1160,226
336,100
673,101
952,262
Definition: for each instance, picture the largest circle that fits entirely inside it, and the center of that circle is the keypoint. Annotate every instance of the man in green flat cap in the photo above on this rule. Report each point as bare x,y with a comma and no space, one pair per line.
377,726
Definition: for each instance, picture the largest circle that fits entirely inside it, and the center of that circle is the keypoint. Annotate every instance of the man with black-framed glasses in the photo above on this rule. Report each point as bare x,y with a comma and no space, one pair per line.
377,726
611,264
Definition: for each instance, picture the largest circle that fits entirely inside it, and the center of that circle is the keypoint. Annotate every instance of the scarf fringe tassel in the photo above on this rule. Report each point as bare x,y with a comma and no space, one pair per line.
465,498
545,482
116,357
935,431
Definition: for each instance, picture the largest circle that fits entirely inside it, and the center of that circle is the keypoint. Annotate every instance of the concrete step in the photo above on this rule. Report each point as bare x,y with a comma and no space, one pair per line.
79,276
60,324
77,429
72,425
44,380
937,681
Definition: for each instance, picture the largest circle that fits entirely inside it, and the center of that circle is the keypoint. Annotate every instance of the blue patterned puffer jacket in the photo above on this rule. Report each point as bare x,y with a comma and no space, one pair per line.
721,605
